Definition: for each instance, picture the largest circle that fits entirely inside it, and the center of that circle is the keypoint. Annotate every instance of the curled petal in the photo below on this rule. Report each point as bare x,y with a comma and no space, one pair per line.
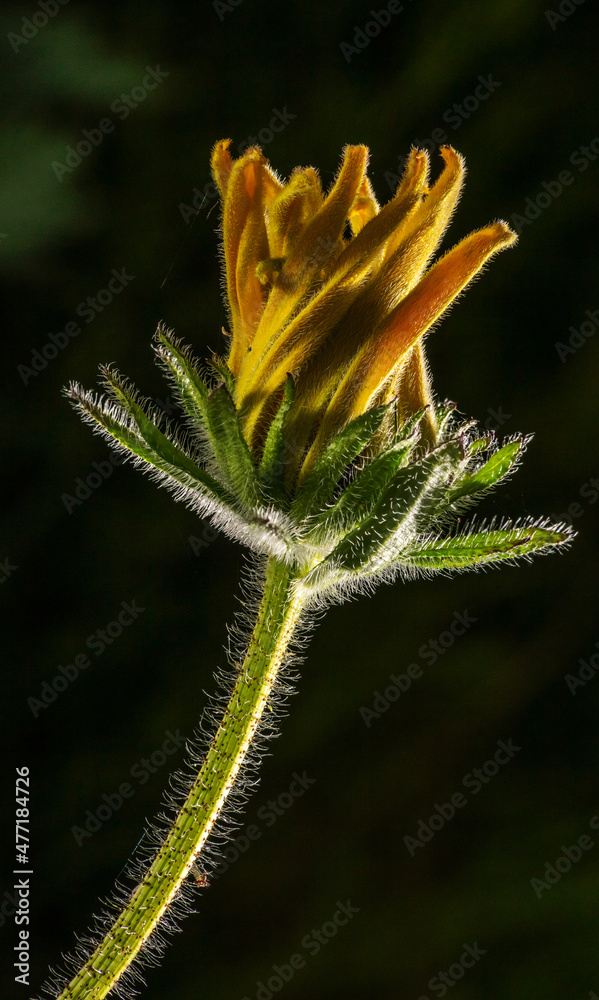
297,344
329,222
384,353
382,228
436,208
289,213
221,164
245,243
317,241
364,207
338,292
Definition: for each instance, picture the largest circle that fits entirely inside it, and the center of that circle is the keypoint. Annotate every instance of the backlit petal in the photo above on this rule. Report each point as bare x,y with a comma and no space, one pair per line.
383,353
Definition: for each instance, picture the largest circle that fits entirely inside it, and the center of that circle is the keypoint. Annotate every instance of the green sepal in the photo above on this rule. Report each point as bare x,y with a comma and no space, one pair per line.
230,447
445,420
272,463
215,411
358,500
409,426
466,551
148,443
480,444
416,492
497,466
192,390
224,373
157,442
318,487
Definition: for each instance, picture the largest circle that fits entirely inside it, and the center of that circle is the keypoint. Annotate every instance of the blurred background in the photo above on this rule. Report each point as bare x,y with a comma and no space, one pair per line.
108,224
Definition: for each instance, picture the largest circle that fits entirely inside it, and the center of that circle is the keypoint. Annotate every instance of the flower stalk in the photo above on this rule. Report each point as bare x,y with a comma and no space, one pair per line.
277,619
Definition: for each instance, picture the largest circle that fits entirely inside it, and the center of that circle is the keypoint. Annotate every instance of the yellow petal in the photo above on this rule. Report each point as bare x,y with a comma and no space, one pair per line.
382,229
221,164
412,245
437,207
411,387
385,351
292,209
342,308
293,346
245,244
364,207
315,244
329,222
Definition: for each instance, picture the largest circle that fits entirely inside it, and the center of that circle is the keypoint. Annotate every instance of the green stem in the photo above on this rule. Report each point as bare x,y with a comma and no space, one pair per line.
278,616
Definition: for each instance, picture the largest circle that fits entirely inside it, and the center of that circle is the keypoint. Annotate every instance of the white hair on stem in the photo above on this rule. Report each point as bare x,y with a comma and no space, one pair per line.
181,782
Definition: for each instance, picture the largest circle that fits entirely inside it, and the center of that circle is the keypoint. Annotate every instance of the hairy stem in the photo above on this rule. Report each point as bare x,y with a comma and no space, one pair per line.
278,615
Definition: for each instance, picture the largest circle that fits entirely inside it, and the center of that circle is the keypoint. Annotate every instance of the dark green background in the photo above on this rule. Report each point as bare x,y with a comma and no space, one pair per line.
495,352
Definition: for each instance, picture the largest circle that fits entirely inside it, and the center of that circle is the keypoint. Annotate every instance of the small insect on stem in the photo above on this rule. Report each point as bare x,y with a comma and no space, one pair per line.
200,878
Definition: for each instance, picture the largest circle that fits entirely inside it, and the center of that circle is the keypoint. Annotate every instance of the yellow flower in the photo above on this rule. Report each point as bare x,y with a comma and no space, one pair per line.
321,445
335,290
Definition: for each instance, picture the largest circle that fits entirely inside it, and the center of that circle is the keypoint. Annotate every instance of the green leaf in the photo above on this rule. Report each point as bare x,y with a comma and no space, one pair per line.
319,485
498,466
466,551
158,442
272,464
445,420
215,411
406,430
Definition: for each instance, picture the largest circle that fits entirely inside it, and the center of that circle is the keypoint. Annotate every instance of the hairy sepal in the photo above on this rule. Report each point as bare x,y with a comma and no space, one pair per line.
318,487
355,517
214,419
447,421
407,506
358,500
501,463
126,424
231,450
223,372
471,549
183,371
274,454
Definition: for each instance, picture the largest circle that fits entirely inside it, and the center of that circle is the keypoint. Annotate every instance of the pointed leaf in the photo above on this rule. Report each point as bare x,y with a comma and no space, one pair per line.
358,499
417,491
191,388
318,486
466,551
273,456
224,372
480,444
407,429
120,425
498,466
445,419
215,411
230,447
158,442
